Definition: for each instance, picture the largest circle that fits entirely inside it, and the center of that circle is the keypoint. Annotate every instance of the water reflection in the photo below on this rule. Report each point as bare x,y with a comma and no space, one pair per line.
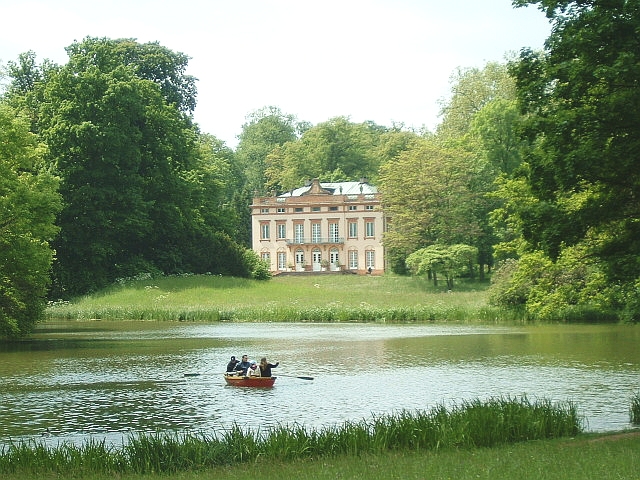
125,377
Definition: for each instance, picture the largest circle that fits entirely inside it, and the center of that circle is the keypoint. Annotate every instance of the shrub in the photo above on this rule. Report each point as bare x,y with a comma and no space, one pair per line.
634,411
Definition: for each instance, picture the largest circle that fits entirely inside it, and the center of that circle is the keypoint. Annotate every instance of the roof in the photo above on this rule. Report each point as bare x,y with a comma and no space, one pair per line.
332,188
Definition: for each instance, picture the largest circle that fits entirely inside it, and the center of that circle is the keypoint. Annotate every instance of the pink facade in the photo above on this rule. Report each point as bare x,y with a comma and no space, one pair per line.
321,227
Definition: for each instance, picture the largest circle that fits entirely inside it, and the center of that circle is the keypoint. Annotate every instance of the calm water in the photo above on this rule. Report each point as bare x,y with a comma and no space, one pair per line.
103,379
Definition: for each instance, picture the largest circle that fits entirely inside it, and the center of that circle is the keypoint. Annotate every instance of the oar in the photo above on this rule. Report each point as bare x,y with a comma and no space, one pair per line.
295,376
197,374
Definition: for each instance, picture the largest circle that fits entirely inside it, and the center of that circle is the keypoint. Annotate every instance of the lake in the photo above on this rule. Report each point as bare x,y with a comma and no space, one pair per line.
79,380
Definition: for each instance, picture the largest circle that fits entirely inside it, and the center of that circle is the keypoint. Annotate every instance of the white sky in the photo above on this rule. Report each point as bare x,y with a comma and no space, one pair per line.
380,60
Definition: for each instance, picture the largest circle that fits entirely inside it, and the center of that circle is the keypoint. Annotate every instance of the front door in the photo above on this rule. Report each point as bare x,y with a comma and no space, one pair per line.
334,259
299,260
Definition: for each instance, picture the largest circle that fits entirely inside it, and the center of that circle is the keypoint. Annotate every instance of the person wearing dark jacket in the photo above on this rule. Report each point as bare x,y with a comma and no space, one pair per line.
244,365
231,366
265,367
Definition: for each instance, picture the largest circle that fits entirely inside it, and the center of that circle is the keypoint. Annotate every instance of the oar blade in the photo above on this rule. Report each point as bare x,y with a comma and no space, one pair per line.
296,376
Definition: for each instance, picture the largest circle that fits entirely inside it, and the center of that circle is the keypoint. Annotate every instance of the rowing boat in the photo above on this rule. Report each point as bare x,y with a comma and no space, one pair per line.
240,381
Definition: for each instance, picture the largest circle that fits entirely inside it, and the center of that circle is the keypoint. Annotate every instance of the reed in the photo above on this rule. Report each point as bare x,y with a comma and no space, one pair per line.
471,424
634,410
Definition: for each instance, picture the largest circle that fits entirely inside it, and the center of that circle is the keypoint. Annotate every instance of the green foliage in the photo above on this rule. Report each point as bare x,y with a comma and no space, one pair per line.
336,150
572,289
580,98
472,89
452,261
515,196
429,199
628,297
150,61
259,268
142,190
29,201
265,130
634,409
217,180
495,125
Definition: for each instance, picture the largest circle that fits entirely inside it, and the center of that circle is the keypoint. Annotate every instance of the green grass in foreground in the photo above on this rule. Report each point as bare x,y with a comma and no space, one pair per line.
473,424
580,458
614,455
314,298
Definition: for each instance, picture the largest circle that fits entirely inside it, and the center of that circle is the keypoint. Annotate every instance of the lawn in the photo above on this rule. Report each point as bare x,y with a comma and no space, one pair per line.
316,298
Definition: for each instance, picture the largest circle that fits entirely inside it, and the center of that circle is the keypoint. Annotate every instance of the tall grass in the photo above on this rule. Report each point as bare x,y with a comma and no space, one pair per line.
472,424
316,298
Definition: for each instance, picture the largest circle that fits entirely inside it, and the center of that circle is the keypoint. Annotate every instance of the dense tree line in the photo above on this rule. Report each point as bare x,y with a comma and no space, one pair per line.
532,170
573,210
29,202
142,189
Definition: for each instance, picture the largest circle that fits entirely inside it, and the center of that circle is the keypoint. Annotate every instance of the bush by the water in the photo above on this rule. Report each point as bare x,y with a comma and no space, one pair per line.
471,424
634,411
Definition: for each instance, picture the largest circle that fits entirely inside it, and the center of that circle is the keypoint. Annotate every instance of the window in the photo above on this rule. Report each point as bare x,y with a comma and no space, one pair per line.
333,209
282,260
353,207
369,228
369,207
353,229
298,233
266,256
315,209
264,210
281,210
282,231
370,259
299,209
353,259
333,232
264,231
316,232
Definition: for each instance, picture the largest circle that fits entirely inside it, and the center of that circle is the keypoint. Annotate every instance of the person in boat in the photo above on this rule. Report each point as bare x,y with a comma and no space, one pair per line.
265,367
243,366
231,366
253,370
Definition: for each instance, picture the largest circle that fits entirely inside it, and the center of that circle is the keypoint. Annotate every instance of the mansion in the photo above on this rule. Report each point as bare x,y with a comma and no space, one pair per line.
321,227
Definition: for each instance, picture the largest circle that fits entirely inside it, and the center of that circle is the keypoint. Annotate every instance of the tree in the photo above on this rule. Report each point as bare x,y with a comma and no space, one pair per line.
265,130
29,202
149,61
449,260
471,90
581,99
218,182
496,128
480,117
137,178
23,92
336,150
428,199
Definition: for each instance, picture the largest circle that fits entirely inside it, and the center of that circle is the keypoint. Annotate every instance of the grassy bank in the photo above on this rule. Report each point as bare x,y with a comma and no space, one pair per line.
471,425
577,458
314,298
